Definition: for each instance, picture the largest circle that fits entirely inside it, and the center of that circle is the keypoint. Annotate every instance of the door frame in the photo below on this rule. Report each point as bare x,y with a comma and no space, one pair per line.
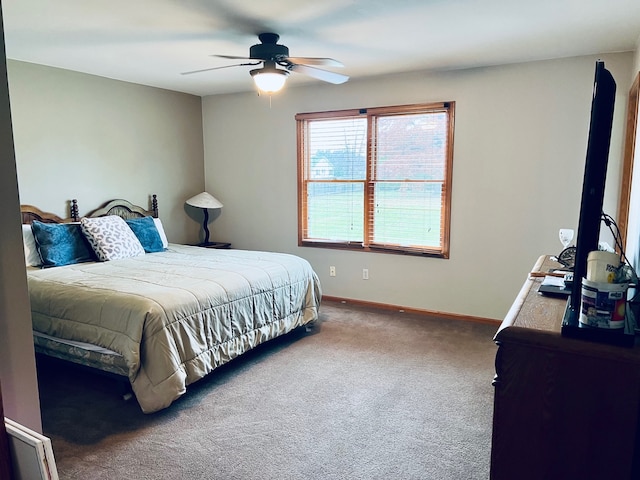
628,157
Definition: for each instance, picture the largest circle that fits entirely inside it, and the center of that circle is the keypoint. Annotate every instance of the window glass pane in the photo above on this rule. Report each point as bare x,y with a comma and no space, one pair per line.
407,214
335,211
338,149
411,146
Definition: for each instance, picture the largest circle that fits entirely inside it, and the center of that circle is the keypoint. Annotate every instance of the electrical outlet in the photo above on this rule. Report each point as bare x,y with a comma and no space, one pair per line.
332,271
365,274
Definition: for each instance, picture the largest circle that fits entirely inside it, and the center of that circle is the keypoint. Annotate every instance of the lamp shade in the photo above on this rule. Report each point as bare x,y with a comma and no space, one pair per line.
204,200
269,79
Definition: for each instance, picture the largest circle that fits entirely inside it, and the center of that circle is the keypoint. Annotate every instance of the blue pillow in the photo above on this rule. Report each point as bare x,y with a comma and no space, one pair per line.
146,231
61,244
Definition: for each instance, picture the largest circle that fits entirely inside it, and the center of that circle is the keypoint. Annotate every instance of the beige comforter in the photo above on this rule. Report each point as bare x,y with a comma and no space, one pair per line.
178,314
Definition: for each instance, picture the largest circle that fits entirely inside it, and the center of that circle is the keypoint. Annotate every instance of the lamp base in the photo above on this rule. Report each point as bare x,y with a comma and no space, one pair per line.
223,245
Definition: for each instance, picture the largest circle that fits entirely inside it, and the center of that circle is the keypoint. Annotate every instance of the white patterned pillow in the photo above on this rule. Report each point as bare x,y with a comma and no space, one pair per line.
111,238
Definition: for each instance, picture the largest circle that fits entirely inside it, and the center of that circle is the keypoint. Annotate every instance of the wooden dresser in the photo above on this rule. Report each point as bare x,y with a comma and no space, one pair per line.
564,408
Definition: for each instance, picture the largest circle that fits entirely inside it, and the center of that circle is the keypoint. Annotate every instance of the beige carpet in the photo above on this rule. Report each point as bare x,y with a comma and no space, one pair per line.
366,395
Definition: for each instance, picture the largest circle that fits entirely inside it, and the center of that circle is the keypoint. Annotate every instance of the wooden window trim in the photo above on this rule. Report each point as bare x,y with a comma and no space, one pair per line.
627,162
300,118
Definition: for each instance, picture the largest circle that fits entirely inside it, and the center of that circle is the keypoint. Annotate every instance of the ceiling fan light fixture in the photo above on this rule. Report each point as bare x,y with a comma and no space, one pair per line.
269,79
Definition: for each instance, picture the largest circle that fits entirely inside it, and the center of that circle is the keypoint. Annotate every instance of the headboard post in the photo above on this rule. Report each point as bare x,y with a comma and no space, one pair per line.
74,210
154,205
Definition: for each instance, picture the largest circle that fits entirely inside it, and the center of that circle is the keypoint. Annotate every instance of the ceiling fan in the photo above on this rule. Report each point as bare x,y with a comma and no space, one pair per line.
269,78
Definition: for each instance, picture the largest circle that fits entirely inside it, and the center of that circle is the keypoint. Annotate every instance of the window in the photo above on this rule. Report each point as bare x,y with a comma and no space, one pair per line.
376,179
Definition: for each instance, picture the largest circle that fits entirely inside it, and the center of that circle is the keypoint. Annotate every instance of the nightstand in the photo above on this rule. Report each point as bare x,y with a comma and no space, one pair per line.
214,245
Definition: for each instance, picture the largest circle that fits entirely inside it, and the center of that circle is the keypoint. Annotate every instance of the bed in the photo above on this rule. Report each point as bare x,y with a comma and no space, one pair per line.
161,319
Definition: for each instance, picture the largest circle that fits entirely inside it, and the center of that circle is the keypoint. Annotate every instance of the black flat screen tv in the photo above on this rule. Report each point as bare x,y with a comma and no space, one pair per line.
595,172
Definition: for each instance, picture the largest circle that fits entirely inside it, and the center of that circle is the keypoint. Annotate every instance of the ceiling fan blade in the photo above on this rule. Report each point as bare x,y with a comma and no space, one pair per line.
327,62
324,75
218,68
233,57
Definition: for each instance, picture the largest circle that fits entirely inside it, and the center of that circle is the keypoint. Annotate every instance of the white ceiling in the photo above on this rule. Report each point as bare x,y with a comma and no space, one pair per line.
151,42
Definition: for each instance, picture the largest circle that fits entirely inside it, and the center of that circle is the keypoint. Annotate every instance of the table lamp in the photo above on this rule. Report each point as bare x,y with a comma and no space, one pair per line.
205,201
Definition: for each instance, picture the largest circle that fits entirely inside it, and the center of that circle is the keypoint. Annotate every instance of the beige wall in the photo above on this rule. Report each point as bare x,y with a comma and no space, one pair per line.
519,150
95,139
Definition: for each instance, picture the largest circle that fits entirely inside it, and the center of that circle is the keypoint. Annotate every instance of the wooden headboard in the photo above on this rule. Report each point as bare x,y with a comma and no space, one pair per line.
126,209
119,207
30,213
